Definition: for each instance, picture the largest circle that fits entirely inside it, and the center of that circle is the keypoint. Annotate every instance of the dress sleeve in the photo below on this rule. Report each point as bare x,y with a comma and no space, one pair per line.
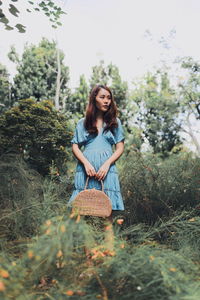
80,134
75,137
119,132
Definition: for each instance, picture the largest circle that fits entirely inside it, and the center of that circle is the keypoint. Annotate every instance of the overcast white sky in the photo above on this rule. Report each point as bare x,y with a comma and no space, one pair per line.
115,31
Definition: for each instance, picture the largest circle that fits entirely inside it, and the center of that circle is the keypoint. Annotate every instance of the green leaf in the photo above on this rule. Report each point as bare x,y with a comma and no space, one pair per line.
1,13
13,10
51,4
1,2
28,10
4,20
36,9
20,27
7,27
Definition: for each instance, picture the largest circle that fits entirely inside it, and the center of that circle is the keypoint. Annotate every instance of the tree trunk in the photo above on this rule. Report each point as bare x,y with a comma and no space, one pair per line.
193,137
58,81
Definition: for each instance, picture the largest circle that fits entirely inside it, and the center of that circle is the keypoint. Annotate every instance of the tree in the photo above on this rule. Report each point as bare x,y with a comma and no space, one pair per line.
36,131
99,75
76,103
48,7
5,98
190,87
41,73
109,75
189,93
158,109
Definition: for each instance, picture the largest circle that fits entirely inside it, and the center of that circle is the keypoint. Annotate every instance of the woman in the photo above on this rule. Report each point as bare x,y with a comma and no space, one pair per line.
98,132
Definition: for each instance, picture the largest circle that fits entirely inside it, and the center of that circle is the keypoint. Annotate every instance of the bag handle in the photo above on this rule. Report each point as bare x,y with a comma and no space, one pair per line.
86,184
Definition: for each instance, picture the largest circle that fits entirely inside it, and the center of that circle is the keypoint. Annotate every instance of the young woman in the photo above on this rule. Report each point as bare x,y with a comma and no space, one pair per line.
98,132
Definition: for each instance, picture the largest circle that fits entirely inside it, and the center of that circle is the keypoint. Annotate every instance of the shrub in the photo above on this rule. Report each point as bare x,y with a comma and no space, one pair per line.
21,196
38,132
153,187
27,199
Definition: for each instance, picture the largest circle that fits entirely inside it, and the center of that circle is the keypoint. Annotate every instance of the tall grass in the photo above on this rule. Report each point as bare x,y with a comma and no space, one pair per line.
153,187
55,265
49,253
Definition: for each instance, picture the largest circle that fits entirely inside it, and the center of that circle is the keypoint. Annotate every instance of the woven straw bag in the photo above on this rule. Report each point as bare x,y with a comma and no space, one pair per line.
92,202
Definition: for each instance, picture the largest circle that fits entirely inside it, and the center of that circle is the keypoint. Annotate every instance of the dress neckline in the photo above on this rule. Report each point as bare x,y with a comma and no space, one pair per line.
99,131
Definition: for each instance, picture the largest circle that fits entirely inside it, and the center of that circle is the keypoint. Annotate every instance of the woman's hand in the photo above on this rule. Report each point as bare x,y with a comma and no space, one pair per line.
90,171
102,172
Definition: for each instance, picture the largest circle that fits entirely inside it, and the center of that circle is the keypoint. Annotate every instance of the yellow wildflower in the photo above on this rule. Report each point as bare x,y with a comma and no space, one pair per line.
173,269
48,222
69,293
4,273
151,257
2,286
120,221
62,228
30,254
191,220
59,254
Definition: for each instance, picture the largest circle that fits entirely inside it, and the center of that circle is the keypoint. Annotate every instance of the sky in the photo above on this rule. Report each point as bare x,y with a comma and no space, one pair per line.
135,35
128,33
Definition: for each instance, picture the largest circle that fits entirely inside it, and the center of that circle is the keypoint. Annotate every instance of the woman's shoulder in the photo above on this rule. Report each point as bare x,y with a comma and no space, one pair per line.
80,123
118,121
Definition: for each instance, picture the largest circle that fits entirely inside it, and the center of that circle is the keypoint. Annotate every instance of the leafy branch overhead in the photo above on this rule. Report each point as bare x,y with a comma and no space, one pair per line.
48,7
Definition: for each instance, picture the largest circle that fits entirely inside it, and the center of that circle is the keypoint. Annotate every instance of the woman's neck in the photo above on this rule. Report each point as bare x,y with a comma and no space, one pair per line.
99,115
99,120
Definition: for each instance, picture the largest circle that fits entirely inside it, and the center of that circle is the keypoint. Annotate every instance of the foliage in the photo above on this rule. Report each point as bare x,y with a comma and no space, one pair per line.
20,197
135,269
181,232
77,101
134,140
48,7
158,112
154,188
27,199
69,258
38,132
189,87
37,73
5,97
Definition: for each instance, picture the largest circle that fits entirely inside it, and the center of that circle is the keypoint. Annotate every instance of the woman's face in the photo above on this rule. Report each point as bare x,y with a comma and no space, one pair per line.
103,100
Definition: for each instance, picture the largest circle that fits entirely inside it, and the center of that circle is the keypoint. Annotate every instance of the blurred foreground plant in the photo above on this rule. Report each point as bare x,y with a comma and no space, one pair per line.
57,266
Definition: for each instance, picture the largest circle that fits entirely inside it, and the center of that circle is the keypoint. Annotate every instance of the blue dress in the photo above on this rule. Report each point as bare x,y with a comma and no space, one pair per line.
97,149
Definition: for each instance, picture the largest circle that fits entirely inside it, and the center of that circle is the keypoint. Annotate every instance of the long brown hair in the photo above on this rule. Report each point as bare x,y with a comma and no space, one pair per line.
110,116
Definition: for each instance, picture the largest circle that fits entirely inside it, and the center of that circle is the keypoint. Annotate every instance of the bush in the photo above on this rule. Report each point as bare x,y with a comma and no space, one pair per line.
154,188
27,199
38,132
21,196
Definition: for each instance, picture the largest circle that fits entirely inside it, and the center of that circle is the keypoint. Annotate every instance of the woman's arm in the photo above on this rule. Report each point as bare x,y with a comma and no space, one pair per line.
90,171
101,174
